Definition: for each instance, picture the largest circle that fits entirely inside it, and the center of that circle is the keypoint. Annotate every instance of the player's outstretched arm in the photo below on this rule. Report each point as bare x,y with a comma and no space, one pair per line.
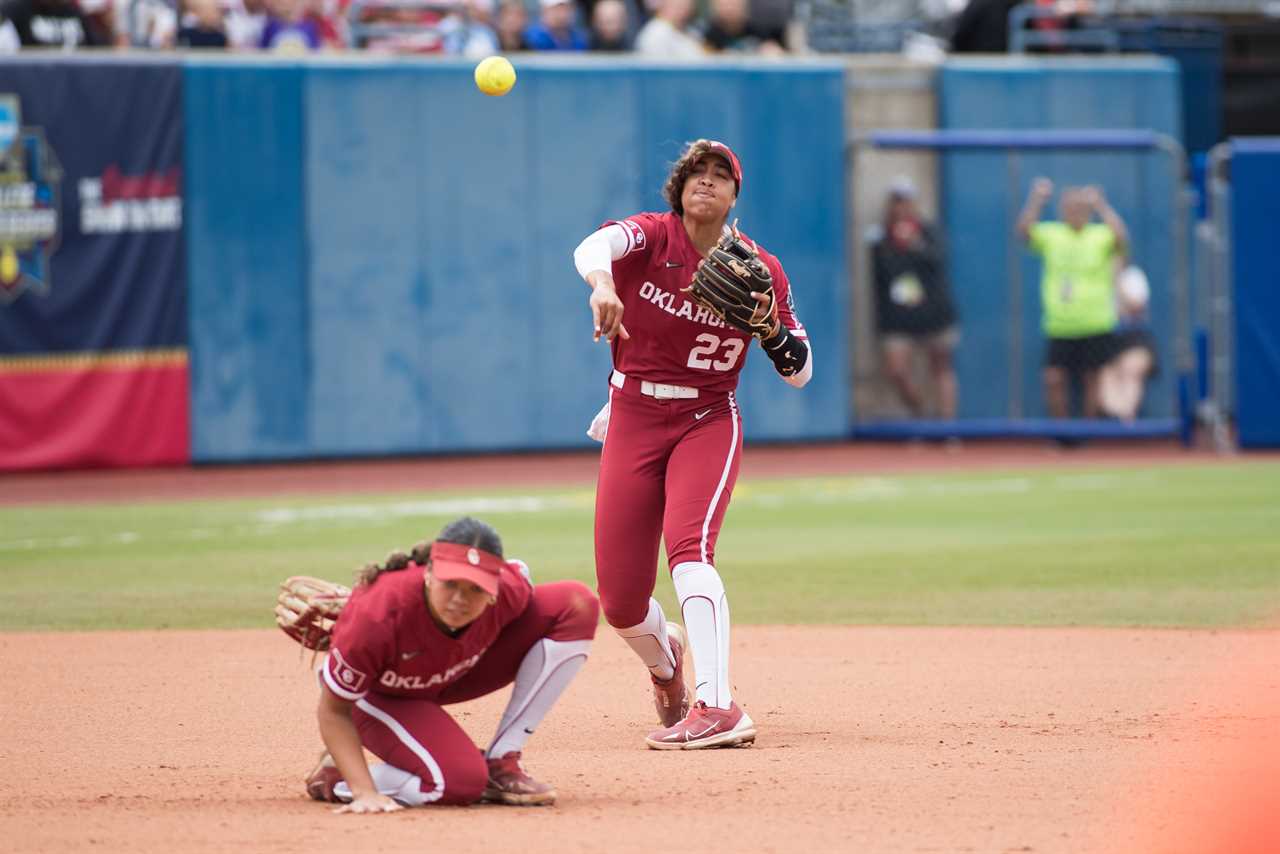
594,259
343,743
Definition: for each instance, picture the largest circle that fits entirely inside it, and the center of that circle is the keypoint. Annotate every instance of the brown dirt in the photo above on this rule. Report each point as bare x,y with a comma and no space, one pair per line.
555,469
871,739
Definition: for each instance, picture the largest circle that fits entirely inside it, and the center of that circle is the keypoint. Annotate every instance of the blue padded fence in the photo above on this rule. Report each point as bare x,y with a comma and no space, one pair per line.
981,195
1255,210
382,258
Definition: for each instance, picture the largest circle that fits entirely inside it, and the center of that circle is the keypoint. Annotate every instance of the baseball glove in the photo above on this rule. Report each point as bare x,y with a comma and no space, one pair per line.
725,280
307,608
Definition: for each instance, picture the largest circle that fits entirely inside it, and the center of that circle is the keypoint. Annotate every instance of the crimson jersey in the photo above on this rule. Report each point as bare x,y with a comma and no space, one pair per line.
386,642
673,339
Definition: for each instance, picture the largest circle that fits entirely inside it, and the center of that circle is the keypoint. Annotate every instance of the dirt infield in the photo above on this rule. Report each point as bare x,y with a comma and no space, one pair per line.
555,469
871,739
880,740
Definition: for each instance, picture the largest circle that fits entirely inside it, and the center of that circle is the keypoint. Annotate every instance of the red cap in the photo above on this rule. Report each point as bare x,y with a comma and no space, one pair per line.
466,563
727,153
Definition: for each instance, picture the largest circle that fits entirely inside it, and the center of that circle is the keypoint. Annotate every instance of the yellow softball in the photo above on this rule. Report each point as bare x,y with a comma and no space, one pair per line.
495,76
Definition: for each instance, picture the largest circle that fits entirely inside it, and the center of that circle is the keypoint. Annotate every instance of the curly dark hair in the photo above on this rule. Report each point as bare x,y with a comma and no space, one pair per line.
681,169
464,532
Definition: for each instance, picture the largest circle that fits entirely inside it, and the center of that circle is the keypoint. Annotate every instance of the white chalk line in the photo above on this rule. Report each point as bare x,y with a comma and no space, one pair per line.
269,522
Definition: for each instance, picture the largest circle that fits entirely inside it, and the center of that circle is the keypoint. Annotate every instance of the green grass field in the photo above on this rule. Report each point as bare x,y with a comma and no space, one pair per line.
1194,546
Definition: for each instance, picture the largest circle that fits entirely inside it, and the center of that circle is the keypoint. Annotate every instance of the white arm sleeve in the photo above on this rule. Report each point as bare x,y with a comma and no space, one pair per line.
600,249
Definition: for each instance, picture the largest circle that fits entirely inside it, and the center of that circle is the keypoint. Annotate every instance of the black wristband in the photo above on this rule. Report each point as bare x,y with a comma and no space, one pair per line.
787,352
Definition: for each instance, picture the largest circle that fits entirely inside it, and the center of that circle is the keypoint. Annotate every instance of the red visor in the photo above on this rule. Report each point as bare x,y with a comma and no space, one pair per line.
727,153
466,563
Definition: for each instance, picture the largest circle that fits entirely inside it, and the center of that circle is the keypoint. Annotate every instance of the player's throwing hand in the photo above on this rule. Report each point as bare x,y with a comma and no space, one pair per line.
606,308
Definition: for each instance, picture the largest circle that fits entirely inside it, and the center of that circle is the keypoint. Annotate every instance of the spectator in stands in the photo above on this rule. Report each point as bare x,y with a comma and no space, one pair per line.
146,24
771,19
556,29
202,25
609,27
59,23
668,35
983,27
330,23
289,29
1123,379
473,36
914,310
1077,289
245,21
728,29
513,22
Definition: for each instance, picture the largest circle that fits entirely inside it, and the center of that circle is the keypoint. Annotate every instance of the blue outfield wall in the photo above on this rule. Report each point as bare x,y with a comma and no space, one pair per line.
381,257
1255,210
980,204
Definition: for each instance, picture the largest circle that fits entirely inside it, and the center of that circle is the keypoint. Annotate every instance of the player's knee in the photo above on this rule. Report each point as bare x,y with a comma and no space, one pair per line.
465,779
582,611
623,614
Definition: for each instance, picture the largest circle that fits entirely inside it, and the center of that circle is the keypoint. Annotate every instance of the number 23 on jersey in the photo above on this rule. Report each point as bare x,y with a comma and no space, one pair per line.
714,354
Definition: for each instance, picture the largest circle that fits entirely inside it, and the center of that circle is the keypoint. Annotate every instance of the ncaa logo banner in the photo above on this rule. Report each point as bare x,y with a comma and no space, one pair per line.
93,297
29,204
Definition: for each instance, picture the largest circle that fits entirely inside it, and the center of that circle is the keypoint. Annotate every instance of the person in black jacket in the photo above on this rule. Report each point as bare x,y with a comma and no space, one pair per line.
983,27
914,311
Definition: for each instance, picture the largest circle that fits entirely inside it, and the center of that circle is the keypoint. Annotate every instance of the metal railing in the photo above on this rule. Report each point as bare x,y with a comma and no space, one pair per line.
1213,236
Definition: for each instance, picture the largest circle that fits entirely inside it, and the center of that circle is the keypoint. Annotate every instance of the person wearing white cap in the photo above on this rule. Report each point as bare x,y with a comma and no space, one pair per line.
556,29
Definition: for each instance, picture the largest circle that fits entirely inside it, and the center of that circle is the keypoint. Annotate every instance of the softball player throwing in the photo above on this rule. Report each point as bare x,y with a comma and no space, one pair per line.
672,429
459,624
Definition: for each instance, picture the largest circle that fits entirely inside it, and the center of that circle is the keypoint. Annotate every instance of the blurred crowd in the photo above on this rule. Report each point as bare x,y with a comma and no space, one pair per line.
925,29
471,28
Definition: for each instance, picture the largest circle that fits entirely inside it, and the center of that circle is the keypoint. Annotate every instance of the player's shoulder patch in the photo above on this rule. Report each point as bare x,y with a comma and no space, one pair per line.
635,235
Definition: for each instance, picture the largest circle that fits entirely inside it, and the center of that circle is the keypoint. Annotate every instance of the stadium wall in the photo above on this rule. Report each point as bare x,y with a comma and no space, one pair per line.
376,260
382,257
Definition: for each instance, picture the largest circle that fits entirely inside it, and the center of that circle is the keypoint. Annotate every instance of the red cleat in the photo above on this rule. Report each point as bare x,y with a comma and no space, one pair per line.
671,696
705,726
322,779
509,783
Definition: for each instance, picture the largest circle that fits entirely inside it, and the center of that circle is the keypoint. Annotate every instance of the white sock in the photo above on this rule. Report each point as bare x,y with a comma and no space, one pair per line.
395,783
706,620
649,640
548,668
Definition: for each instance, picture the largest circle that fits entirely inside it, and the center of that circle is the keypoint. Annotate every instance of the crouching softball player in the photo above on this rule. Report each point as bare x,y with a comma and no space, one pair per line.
451,623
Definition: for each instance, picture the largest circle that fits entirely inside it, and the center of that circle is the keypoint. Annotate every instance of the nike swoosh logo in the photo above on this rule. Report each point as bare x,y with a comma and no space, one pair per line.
408,655
671,264
690,736
698,416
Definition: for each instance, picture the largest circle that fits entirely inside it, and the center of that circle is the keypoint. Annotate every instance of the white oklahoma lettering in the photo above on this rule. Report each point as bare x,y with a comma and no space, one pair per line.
391,679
